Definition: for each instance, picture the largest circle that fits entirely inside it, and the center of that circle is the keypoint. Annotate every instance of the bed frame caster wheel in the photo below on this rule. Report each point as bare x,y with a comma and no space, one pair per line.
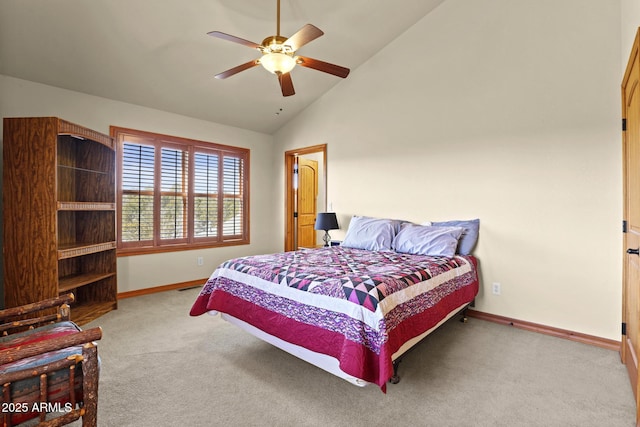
463,319
394,379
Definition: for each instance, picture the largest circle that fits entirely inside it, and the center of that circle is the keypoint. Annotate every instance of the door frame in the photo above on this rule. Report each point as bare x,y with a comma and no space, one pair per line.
290,192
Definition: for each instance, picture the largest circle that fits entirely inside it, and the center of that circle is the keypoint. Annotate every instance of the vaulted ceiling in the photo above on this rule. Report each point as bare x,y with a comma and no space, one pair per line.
156,53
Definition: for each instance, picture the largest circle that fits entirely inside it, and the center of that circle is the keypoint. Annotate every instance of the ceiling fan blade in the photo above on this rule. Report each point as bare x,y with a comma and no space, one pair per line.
229,37
286,84
303,36
326,67
237,69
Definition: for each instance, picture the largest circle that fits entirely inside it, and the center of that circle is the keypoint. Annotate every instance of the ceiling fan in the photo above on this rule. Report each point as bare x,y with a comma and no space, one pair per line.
279,55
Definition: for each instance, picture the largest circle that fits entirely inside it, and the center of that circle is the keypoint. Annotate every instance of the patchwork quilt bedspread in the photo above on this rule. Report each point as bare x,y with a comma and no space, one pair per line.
355,305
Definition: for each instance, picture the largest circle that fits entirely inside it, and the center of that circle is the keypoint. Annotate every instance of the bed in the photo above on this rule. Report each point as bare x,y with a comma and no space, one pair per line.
352,309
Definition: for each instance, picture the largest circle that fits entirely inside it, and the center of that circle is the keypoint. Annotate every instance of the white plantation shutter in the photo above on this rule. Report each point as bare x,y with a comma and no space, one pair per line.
174,194
137,187
206,167
232,199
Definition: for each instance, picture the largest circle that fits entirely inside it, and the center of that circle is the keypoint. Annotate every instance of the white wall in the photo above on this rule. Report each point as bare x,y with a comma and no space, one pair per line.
630,13
503,110
22,98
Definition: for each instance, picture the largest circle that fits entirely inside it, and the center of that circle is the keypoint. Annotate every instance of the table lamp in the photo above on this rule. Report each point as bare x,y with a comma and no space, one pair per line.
326,221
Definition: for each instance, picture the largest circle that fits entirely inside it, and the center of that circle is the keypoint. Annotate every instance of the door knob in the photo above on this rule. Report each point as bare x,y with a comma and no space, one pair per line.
633,251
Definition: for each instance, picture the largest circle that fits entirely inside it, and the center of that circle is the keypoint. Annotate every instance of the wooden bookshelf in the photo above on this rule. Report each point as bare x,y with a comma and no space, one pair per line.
59,215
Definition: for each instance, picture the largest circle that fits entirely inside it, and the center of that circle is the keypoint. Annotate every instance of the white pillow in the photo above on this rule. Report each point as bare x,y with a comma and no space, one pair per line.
427,240
369,233
469,237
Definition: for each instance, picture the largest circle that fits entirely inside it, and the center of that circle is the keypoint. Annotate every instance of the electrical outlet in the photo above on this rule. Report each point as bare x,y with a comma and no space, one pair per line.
496,288
199,260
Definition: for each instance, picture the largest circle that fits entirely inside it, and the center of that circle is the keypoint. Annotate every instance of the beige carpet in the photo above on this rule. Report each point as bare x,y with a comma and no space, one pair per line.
161,367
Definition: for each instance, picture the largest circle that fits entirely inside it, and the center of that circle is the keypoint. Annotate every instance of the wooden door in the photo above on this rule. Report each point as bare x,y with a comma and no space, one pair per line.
307,202
630,350
291,157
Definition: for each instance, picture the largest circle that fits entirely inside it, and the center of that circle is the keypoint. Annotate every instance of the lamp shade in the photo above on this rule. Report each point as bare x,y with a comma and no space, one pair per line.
277,63
326,221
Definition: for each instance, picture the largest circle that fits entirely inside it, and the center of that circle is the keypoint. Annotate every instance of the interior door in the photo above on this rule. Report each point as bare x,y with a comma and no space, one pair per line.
307,201
631,181
291,157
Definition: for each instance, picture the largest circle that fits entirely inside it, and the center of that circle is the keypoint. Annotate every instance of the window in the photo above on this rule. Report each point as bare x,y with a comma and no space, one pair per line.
176,193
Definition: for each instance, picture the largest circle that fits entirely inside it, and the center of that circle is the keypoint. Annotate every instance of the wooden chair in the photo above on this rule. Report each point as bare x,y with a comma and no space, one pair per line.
48,365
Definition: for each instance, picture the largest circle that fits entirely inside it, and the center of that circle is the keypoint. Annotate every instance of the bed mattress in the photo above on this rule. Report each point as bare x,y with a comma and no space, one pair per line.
357,306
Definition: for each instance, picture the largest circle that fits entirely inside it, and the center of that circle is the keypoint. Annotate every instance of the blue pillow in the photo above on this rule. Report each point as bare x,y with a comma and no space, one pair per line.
469,236
427,240
370,233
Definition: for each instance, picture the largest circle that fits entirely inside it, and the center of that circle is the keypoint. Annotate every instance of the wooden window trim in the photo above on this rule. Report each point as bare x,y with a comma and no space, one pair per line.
191,146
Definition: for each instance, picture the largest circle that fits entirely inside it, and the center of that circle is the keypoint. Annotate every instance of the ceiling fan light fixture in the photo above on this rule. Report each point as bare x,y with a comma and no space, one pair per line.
277,63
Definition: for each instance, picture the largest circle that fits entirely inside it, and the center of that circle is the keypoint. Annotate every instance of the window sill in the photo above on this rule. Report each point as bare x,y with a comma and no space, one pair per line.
123,252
